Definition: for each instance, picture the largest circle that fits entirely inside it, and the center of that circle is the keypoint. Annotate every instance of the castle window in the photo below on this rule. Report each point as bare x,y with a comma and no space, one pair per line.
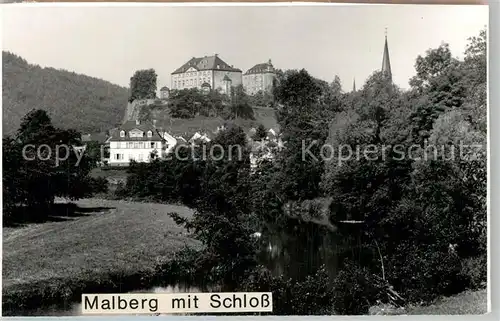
122,133
150,133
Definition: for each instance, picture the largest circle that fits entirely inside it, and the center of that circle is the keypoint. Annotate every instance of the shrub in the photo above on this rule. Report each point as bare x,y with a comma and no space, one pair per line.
354,293
475,271
312,296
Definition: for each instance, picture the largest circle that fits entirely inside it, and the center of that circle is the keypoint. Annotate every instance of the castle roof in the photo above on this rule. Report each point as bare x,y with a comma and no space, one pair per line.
206,63
261,68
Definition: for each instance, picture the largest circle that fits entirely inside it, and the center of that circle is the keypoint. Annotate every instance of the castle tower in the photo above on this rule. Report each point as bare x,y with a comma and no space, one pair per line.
386,63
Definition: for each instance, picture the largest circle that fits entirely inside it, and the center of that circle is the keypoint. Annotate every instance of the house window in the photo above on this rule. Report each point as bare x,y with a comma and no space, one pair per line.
117,156
122,133
152,144
136,145
150,133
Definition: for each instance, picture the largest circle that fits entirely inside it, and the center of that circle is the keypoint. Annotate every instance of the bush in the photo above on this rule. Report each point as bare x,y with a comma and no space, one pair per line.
422,273
98,185
475,271
353,292
313,296
182,266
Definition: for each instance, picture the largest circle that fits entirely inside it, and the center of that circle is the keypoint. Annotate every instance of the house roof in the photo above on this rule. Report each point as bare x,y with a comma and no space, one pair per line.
261,68
131,125
206,63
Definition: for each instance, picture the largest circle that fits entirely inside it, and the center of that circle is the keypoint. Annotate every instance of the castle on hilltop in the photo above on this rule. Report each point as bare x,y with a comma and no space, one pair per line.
212,73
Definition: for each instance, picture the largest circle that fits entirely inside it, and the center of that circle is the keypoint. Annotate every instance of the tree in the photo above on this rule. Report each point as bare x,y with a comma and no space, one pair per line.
260,133
38,173
302,119
143,85
436,201
437,87
13,193
239,106
222,210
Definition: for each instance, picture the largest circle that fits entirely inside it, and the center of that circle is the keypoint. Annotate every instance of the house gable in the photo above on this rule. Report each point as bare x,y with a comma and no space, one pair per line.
136,133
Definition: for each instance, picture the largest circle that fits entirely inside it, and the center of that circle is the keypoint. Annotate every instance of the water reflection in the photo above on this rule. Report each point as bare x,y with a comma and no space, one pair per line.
299,249
295,250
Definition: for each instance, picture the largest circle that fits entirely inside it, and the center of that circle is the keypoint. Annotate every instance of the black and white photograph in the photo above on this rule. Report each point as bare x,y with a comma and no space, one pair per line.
244,159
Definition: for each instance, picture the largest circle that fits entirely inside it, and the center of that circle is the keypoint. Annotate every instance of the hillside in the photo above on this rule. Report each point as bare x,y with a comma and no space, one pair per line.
186,127
72,100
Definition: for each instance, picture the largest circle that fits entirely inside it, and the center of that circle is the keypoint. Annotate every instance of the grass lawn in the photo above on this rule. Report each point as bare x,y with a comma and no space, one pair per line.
102,237
469,302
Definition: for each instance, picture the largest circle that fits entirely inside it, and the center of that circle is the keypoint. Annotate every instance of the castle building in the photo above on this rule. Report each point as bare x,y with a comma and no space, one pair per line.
211,70
259,78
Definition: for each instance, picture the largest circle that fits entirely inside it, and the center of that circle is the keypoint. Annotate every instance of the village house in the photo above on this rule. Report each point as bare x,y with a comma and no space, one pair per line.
206,73
138,141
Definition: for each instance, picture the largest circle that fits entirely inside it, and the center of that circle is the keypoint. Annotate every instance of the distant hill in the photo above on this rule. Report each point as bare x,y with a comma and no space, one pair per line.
72,100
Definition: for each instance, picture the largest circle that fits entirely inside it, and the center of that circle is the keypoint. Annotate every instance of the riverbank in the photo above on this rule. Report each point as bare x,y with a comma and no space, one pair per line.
468,302
101,246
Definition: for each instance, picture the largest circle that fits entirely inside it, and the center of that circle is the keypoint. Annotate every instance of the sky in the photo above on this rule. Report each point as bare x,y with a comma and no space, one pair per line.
113,42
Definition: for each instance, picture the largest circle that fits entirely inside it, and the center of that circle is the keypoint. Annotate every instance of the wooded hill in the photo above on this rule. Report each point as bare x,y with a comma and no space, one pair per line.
72,100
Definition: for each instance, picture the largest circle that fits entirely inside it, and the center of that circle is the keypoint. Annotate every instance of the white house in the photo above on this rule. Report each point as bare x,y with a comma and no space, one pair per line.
137,141
197,136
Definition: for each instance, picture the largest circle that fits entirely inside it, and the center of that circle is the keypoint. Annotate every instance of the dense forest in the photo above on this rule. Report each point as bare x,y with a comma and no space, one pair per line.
71,100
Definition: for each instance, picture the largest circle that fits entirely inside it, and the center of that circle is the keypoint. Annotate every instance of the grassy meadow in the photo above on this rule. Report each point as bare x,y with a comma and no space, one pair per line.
94,245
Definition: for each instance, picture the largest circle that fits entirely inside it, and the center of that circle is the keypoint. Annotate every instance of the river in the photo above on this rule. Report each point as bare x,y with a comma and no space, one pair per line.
294,252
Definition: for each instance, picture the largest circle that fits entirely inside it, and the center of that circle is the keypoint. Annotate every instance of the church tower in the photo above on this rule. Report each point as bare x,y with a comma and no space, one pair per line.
386,63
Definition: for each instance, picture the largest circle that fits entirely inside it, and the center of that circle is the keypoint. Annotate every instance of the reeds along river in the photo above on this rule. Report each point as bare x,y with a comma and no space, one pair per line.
294,251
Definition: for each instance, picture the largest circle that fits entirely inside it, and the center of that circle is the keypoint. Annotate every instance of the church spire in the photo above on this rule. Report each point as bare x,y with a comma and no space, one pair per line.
354,85
386,63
